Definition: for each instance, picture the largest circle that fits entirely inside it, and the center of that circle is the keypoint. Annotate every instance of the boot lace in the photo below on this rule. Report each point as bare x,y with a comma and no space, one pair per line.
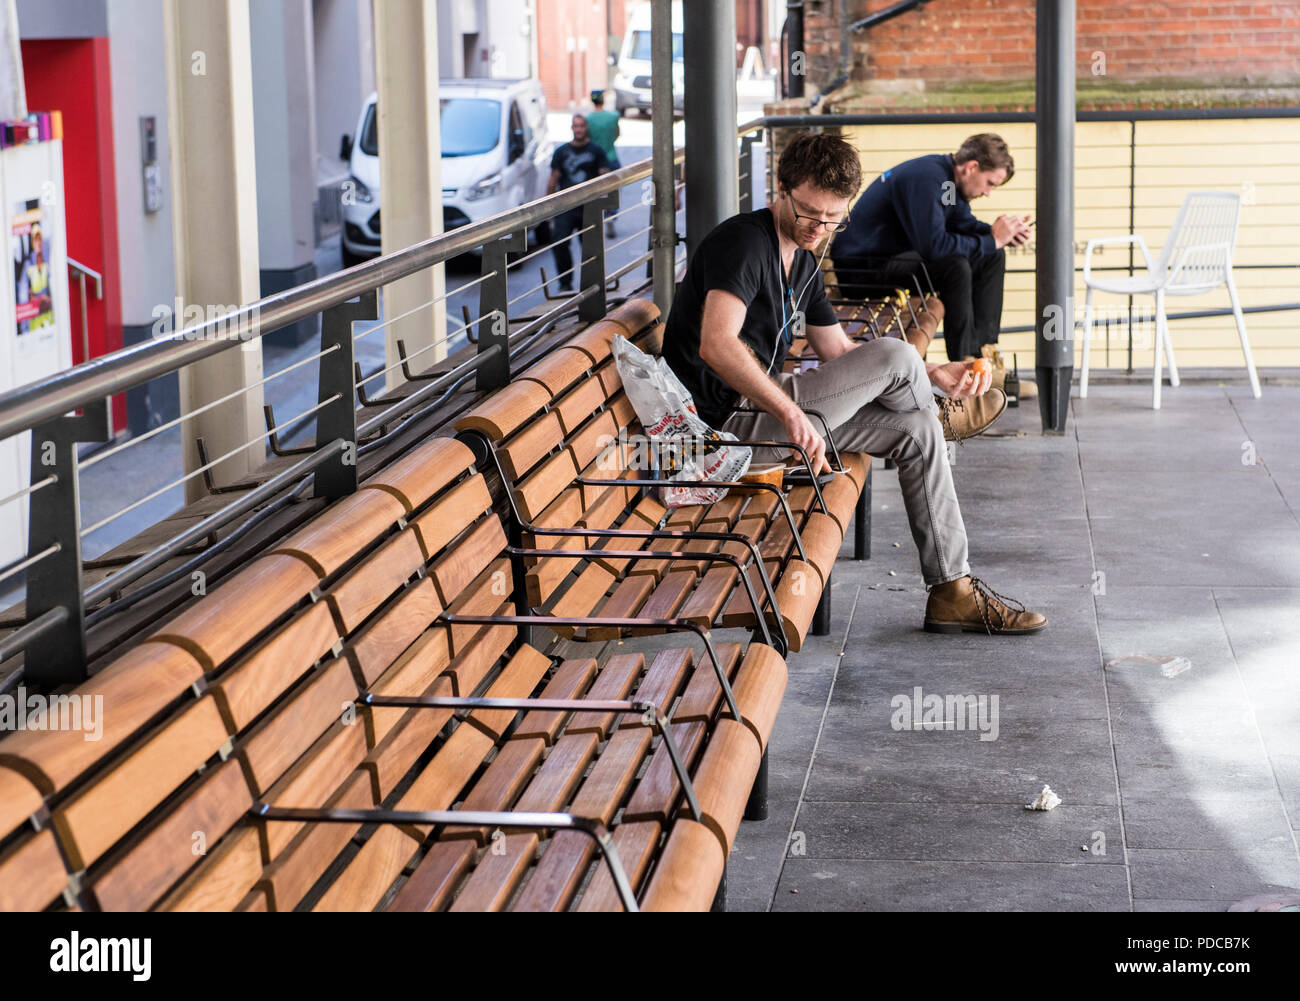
947,405
992,604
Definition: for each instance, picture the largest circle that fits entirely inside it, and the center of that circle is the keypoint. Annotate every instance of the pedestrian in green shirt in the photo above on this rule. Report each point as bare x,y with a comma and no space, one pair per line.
602,126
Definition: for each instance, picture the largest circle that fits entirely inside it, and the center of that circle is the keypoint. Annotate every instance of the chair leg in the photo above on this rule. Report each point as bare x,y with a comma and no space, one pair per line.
756,807
862,523
1241,331
1169,353
1087,343
821,623
1156,353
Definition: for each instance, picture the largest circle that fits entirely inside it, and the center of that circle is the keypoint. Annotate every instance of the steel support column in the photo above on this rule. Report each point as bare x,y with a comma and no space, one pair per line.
663,234
712,189
1054,301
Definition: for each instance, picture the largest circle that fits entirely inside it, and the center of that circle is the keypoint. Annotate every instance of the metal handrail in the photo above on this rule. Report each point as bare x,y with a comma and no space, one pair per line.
28,406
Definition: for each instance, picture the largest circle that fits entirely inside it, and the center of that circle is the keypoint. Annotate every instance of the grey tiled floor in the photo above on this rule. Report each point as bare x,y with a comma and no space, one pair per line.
1138,532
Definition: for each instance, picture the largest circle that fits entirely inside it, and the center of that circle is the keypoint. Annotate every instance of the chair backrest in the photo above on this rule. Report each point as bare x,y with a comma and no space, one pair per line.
1205,218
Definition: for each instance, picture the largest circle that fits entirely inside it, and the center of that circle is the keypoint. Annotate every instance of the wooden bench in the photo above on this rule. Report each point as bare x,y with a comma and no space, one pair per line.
562,437
312,734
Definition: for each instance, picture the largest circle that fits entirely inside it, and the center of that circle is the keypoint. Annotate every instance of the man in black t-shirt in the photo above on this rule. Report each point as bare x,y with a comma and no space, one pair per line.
752,285
572,163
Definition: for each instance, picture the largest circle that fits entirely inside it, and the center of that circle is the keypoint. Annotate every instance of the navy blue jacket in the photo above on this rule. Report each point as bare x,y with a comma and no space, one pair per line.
914,207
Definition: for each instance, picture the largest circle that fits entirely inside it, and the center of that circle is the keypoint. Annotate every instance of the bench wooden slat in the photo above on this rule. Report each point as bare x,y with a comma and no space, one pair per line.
19,799
370,583
527,448
31,874
292,872
558,370
659,788
135,687
616,679
258,679
759,688
342,530
431,884
579,403
224,878
706,601
506,410
724,778
390,760
663,681
560,773
635,844
372,650
517,680
451,514
497,876
467,559
629,595
594,443
545,483
314,777
500,784
168,850
687,875
821,540
415,672
597,340
369,875
570,680
90,822
634,316
423,471
703,694
277,742
555,879
217,625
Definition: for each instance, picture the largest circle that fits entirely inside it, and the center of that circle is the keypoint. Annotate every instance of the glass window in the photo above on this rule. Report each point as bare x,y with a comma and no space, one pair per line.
470,125
640,48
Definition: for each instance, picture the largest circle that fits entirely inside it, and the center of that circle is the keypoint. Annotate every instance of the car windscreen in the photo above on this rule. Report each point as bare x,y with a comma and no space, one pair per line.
640,47
469,125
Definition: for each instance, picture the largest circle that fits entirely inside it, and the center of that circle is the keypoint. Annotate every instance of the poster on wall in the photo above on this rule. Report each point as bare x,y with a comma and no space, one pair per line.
34,306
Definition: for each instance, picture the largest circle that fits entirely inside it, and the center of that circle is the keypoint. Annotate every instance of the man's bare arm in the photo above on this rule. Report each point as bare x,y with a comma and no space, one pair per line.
723,351
829,342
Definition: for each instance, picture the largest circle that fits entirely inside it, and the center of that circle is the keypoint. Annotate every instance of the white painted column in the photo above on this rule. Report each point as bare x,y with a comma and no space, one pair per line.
410,162
214,193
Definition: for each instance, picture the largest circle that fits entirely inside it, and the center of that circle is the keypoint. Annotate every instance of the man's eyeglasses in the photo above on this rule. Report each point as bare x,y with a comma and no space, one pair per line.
834,227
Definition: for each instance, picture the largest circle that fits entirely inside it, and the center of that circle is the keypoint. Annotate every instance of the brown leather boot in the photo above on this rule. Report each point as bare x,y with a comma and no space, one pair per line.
966,417
969,605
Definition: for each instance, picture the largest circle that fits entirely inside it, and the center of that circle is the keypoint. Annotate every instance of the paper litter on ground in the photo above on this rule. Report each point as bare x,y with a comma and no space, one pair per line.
1169,666
1045,800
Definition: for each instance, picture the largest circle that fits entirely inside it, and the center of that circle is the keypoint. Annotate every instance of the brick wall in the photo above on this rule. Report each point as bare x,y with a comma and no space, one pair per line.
1206,43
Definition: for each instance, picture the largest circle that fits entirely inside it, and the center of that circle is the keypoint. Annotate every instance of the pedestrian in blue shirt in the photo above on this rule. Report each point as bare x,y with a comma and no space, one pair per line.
921,209
572,163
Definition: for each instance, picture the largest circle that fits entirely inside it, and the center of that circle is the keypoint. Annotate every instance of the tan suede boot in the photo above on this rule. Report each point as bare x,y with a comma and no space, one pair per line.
966,417
969,605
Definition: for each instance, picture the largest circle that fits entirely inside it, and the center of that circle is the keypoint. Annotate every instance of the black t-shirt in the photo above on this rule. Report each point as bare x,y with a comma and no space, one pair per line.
578,163
742,256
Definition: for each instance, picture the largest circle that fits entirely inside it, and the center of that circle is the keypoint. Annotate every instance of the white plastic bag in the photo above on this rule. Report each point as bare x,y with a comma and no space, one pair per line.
668,415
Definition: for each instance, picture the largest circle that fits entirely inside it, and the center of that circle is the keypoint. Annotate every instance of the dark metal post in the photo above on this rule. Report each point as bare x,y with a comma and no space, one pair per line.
338,419
862,522
58,656
493,311
592,244
663,228
710,53
1054,312
756,806
746,175
796,58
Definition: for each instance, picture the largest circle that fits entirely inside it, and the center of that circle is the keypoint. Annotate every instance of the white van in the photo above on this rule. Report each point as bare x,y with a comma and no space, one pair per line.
632,72
496,155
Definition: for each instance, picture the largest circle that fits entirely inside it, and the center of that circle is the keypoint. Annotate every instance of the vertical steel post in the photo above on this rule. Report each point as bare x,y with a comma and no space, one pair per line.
338,419
493,310
709,37
592,245
663,233
794,44
1054,313
746,175
58,656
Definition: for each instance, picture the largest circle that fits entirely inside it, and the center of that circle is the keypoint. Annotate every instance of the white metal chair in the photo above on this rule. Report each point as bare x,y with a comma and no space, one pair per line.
1196,258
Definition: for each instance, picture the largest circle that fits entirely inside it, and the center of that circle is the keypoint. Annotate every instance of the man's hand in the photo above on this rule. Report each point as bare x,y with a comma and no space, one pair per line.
799,429
1009,230
958,378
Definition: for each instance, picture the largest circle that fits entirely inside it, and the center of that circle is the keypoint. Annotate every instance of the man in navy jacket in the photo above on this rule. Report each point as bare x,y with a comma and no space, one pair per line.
921,208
